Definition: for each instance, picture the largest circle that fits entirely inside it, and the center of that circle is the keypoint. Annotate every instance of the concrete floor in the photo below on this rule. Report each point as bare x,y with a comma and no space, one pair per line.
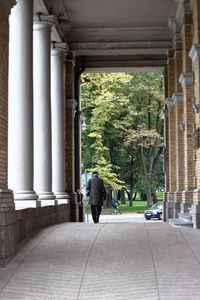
106,261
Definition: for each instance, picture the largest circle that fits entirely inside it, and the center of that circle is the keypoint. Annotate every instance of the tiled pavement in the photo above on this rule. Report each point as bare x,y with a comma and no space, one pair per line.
106,261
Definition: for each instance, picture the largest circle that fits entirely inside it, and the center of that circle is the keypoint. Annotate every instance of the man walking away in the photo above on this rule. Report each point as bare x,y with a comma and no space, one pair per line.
97,193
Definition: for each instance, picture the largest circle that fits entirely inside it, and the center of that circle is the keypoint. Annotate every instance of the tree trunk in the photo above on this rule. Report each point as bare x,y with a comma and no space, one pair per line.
107,202
129,197
121,196
149,195
135,195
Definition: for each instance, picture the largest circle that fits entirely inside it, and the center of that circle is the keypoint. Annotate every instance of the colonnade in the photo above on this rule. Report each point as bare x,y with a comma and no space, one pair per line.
41,113
182,157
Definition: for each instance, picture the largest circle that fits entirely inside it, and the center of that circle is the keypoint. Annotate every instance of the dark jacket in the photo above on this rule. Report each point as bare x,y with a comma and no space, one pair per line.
96,190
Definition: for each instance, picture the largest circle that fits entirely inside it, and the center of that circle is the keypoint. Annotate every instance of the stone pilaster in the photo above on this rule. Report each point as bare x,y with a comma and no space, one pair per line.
20,123
172,158
195,56
70,104
180,127
178,100
42,110
57,118
188,94
172,135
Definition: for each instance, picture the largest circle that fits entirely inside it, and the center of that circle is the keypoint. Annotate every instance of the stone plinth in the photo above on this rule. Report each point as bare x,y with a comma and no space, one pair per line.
8,240
195,212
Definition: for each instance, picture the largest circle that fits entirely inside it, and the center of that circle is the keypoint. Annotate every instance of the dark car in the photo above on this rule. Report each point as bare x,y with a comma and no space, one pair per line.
155,211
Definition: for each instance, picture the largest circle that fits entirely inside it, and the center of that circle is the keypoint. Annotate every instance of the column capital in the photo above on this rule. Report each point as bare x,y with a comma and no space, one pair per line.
43,21
185,79
169,102
174,26
177,97
184,8
59,49
170,54
70,103
165,112
194,53
71,58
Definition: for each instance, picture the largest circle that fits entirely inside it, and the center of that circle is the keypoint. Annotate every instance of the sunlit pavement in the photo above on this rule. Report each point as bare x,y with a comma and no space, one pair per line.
123,218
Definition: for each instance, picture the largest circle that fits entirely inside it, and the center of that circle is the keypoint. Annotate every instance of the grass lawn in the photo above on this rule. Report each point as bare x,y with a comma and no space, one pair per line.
138,206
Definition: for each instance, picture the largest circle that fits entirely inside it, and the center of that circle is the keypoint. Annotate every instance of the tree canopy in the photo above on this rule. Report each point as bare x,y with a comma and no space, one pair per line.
123,138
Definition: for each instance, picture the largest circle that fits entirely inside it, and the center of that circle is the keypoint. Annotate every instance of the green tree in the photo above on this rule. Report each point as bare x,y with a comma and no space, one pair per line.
123,139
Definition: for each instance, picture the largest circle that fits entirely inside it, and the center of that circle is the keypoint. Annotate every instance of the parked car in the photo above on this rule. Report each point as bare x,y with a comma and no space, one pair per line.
155,211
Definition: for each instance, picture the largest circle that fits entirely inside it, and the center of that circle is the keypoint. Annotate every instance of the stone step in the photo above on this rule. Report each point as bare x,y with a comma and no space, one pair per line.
180,222
185,217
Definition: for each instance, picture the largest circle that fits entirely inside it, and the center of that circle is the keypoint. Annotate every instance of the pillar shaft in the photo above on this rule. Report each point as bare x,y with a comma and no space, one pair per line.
20,143
188,94
57,118
172,147
70,104
180,127
171,128
178,98
69,126
42,112
78,145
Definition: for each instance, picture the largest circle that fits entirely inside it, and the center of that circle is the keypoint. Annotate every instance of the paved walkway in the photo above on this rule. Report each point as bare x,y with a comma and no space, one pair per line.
75,261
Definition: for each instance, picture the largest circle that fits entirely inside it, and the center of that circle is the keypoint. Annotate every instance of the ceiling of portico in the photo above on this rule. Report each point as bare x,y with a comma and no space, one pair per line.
113,34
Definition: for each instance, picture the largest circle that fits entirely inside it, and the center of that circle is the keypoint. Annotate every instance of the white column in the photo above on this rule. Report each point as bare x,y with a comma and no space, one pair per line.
42,112
57,119
20,116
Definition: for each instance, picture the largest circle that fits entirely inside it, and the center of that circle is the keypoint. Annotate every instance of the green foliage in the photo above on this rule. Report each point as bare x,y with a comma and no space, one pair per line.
123,139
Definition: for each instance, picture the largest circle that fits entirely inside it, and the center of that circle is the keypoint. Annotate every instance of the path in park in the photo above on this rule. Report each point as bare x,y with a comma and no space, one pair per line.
121,261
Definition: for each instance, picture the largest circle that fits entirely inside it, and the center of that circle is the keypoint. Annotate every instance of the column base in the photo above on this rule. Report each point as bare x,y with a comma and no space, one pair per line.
81,206
22,204
74,207
170,209
61,198
165,213
187,200
196,196
185,207
187,196
195,212
25,199
46,199
25,195
176,209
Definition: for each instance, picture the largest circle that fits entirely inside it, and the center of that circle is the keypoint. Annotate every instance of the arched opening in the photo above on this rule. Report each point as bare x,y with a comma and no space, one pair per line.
122,139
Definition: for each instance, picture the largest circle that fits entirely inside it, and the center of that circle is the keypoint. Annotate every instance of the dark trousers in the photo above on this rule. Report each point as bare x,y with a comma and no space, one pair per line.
96,211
